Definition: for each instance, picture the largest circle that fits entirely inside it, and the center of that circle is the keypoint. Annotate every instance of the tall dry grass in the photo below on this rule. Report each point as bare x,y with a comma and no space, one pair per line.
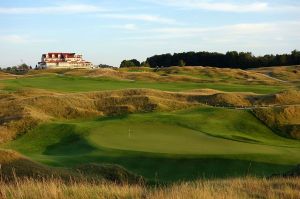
280,188
284,120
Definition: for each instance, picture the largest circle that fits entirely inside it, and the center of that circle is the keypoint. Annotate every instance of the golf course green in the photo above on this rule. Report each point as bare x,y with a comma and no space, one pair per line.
182,145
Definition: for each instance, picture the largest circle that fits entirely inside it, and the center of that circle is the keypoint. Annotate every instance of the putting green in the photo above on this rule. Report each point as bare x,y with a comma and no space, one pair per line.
170,146
170,139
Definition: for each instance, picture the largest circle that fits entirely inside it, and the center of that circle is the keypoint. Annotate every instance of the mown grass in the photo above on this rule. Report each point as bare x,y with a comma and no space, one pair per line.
182,145
278,188
85,84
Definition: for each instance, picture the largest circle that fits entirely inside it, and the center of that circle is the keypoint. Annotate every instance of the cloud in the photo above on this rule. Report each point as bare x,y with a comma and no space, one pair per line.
21,39
228,6
247,32
235,29
85,8
224,6
126,27
60,9
17,39
139,17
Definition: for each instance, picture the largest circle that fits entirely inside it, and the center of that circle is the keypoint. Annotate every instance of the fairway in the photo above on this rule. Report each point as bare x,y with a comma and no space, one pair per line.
85,84
210,142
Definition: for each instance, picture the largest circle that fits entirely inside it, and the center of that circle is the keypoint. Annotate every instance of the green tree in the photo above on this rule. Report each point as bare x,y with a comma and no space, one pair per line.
181,63
130,63
23,67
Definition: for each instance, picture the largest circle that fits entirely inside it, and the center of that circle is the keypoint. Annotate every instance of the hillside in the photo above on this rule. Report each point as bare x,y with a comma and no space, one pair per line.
167,125
284,73
167,79
284,120
15,166
25,109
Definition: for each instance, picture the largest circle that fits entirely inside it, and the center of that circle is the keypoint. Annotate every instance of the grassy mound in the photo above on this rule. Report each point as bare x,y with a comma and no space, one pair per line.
15,166
219,74
287,97
109,172
226,99
21,111
285,73
172,74
284,120
186,78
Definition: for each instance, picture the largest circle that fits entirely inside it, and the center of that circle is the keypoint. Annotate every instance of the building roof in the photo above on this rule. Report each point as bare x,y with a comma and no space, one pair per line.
56,54
61,53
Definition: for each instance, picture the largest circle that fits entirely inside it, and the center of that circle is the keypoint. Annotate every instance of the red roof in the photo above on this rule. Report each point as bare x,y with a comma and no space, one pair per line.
70,55
61,53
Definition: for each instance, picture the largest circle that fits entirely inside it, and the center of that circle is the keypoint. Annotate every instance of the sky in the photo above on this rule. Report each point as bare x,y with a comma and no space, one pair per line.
109,31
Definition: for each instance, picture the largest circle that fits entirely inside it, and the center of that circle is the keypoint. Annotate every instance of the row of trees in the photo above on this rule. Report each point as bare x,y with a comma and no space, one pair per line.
133,63
232,59
20,69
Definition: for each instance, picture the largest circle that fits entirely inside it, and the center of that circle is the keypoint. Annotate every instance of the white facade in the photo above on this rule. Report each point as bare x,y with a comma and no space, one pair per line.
64,60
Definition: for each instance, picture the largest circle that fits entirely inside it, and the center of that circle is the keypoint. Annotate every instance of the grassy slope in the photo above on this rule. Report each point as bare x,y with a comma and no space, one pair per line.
84,84
166,146
14,165
285,73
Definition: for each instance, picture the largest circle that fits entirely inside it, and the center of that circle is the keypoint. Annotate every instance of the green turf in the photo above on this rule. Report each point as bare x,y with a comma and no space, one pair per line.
182,145
84,84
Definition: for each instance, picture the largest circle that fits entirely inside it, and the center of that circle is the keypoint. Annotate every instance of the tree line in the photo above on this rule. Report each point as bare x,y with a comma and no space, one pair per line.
231,59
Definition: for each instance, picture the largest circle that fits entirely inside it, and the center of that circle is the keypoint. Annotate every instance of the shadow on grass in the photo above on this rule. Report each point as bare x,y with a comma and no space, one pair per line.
71,144
112,118
169,169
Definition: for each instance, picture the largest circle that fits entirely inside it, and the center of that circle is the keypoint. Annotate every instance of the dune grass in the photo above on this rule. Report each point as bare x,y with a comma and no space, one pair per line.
85,84
237,188
183,145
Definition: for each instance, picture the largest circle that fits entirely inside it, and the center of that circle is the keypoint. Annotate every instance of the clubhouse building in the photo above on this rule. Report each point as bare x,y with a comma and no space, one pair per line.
63,60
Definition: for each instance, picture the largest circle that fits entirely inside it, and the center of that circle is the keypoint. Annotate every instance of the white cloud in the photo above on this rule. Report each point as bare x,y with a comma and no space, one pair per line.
234,29
252,32
86,8
228,6
21,39
60,9
213,5
126,27
17,39
139,17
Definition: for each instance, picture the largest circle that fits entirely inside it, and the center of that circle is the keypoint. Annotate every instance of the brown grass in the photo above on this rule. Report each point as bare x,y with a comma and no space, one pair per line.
286,73
285,120
221,74
278,188
4,75
171,74
14,165
287,97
